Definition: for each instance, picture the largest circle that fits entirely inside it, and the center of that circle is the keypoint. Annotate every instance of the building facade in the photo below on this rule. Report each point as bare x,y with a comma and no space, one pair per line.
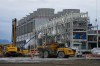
26,25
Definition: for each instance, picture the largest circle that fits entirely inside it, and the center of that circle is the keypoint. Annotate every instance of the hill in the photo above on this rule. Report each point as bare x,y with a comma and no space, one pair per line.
4,41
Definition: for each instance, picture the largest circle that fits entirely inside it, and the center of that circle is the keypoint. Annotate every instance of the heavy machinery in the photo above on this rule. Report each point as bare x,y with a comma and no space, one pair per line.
12,49
1,51
23,52
54,49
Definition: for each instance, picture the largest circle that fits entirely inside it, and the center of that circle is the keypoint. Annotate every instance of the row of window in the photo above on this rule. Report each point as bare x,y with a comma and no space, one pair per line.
27,28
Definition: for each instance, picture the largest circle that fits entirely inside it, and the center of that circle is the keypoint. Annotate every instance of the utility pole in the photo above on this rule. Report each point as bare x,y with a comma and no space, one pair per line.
97,37
34,35
96,21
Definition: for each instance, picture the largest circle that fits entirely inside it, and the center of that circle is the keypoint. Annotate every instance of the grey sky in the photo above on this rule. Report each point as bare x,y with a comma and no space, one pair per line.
10,9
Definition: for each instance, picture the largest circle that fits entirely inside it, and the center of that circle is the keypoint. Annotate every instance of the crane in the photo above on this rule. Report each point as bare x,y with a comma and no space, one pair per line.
14,31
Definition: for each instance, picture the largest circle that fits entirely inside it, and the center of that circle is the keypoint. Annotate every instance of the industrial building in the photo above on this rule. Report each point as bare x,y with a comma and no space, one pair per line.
26,25
70,26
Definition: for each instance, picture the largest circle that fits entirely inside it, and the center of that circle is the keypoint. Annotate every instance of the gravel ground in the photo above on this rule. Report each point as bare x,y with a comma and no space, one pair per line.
81,62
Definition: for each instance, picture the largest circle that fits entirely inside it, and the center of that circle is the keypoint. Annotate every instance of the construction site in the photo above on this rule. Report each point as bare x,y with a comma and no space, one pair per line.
69,26
65,35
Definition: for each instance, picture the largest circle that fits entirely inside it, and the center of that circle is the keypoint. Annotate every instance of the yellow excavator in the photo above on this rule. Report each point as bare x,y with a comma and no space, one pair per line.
12,49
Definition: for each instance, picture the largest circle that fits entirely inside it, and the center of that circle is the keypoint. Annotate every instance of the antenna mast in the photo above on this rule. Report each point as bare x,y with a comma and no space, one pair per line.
96,23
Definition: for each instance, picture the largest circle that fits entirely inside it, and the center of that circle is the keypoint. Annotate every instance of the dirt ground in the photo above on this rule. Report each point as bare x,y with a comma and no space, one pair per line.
84,62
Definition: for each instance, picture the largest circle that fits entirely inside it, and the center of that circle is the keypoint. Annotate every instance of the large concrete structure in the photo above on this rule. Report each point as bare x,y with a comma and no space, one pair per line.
70,26
26,26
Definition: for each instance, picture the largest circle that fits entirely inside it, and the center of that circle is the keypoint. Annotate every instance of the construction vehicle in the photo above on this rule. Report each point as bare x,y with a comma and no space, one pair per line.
12,49
23,52
1,51
54,49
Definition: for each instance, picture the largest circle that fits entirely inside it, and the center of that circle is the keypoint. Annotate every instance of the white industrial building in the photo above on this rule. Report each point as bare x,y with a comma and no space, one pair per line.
70,26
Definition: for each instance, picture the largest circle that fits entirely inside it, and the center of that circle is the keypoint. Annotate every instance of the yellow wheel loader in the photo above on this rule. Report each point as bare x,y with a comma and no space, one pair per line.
55,50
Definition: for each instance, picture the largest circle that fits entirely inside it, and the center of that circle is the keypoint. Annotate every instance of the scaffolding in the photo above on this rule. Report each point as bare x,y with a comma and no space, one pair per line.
66,26
92,36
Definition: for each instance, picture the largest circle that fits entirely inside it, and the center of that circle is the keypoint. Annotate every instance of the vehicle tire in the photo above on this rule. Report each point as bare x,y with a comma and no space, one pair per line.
19,55
7,55
61,55
46,54
41,55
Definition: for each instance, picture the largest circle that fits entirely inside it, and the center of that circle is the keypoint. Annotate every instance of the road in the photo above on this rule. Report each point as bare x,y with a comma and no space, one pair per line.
20,61
35,59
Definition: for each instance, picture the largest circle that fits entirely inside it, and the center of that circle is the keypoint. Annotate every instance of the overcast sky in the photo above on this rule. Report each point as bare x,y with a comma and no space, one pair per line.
10,9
